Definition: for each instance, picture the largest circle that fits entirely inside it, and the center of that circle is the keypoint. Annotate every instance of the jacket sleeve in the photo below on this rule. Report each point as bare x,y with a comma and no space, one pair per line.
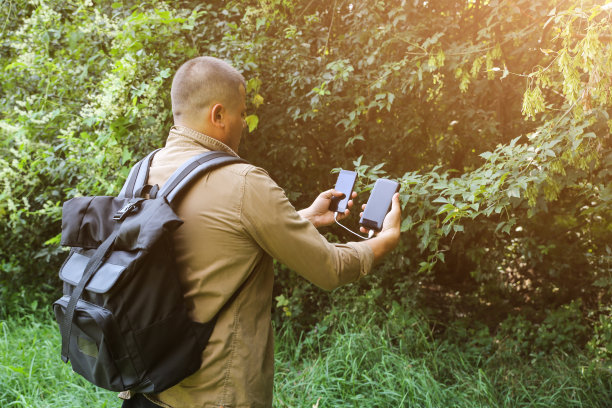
270,219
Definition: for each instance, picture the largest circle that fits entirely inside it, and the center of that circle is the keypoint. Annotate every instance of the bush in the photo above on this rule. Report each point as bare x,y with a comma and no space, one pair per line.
496,125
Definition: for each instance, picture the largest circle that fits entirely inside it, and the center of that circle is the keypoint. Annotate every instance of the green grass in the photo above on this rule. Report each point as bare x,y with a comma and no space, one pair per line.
398,363
32,373
348,360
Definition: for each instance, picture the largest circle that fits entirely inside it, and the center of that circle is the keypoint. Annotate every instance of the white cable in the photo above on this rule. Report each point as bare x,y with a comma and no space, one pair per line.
370,234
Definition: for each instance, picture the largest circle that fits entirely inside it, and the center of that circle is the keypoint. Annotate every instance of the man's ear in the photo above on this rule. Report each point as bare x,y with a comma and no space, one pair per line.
217,115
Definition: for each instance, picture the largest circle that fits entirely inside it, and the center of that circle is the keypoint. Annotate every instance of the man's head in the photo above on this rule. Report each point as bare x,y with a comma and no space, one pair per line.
208,95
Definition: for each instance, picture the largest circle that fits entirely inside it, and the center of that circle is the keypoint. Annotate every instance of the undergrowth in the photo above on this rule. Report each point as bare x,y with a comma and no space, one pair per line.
395,359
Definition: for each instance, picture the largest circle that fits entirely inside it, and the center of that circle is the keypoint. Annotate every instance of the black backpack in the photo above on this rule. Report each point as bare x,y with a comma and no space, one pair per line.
123,320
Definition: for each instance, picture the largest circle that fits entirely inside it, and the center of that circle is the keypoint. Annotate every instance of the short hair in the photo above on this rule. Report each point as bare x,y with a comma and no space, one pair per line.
202,81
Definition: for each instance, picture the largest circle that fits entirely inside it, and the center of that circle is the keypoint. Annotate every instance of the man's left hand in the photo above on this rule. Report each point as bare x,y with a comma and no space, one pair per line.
319,213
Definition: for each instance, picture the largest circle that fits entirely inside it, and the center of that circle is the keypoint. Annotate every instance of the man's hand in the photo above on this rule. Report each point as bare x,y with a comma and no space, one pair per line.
388,237
319,213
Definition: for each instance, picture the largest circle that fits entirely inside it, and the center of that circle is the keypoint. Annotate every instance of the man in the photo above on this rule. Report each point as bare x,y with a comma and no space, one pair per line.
236,221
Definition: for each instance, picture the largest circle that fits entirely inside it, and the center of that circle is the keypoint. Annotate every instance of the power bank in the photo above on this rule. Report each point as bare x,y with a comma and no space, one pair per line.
378,204
344,184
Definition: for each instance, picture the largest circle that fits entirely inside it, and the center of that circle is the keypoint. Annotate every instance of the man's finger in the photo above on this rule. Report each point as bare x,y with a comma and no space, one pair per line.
395,203
337,193
364,230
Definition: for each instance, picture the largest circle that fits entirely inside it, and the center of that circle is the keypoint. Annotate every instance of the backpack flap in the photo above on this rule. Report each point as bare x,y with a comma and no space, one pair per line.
141,230
101,282
87,221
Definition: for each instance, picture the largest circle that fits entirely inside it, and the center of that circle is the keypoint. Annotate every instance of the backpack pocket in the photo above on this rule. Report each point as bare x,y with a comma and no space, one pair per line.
97,350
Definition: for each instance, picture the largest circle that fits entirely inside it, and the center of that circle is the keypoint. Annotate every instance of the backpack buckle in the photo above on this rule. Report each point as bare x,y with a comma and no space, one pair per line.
130,207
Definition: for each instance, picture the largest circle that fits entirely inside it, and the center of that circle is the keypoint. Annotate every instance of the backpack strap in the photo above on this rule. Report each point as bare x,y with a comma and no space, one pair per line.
181,178
138,176
193,169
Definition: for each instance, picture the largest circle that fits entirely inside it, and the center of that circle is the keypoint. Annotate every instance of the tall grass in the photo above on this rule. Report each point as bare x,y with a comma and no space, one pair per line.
354,361
387,359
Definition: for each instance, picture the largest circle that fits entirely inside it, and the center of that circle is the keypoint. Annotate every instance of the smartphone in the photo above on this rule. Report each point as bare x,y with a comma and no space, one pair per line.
379,204
345,183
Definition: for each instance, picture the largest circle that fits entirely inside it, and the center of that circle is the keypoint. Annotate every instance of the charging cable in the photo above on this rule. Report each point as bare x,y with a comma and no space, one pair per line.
370,234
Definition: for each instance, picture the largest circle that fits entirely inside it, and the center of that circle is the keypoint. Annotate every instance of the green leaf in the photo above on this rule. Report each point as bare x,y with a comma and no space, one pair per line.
252,122
253,85
514,192
440,199
446,208
500,225
165,73
281,301
486,155
55,240
446,229
258,100
260,22
550,153
425,266
406,224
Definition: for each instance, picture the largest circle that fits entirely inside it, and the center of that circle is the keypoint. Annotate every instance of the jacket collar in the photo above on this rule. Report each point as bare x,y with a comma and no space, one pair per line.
181,132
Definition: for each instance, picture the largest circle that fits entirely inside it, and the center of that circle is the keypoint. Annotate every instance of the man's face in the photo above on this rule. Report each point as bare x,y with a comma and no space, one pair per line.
236,123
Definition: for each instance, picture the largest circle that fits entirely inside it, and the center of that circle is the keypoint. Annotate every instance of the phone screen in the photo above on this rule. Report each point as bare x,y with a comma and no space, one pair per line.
345,184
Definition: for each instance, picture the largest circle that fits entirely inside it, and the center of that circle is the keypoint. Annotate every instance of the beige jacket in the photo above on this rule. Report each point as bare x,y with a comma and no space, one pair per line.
237,219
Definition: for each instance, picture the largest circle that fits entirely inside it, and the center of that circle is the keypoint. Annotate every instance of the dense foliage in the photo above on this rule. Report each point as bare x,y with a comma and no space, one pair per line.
493,114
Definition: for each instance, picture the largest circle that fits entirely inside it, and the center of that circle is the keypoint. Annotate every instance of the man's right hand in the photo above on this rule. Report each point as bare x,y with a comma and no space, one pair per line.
388,238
